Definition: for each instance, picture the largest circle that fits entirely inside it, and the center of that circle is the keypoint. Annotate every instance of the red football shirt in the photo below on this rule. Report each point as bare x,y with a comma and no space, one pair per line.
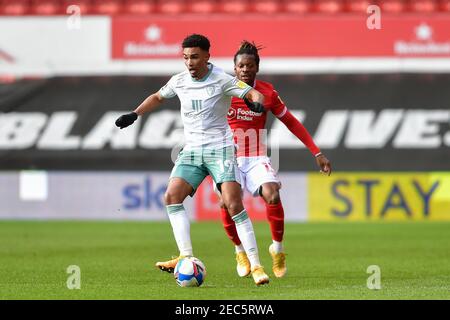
249,126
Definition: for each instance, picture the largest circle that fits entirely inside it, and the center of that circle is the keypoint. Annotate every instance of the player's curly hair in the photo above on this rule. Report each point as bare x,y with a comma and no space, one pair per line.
196,40
250,48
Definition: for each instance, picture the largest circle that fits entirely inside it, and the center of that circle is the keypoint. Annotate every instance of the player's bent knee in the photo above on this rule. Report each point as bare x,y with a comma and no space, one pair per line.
168,198
234,207
271,194
177,191
274,198
173,197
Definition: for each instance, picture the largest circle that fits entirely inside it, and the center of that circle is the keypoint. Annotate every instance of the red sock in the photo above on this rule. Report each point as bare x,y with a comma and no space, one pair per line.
275,215
230,227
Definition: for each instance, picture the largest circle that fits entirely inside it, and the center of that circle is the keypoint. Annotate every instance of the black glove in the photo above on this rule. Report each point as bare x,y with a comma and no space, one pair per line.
254,106
126,120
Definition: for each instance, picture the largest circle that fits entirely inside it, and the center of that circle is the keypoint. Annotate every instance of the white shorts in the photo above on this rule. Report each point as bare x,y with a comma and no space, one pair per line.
254,172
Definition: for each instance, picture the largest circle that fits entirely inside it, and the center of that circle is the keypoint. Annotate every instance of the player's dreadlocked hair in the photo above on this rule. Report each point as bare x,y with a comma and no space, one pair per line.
196,40
248,48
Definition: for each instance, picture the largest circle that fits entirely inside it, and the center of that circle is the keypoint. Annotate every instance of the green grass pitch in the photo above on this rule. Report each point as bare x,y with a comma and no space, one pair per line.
325,261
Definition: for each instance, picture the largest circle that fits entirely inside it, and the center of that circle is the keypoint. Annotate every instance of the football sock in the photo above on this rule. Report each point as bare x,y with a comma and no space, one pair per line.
239,248
277,246
181,228
247,235
275,215
230,227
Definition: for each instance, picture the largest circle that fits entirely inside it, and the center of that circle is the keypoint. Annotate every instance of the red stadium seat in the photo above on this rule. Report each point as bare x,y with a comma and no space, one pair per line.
424,6
109,7
202,6
139,6
393,6
297,6
444,5
329,6
84,5
266,6
15,8
234,6
171,6
358,5
46,7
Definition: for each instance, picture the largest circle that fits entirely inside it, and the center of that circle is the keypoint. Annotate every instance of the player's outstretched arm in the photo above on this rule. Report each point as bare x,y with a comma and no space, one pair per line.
147,105
254,100
297,128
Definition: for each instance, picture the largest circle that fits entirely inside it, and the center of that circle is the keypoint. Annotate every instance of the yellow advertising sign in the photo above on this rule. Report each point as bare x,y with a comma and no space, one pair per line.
390,196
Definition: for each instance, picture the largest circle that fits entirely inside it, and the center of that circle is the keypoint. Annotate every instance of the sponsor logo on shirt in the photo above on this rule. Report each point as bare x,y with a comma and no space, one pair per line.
231,113
243,114
210,90
194,115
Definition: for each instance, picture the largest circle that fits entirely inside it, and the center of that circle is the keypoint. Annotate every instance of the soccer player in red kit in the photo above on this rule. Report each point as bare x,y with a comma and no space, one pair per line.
257,174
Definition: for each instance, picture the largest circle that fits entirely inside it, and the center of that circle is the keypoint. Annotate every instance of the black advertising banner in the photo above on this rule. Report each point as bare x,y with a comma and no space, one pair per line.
380,122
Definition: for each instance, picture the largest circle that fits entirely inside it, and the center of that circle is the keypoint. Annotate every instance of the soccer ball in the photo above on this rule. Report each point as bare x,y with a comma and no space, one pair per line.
190,272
